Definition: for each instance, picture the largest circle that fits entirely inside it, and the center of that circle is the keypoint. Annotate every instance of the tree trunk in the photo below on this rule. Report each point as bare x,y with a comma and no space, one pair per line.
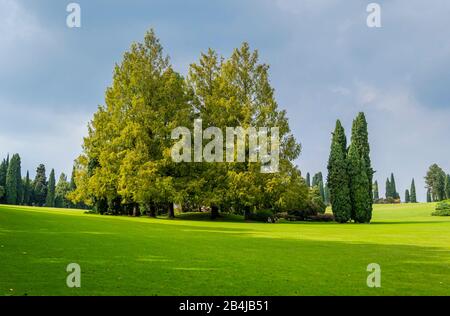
171,211
152,210
214,211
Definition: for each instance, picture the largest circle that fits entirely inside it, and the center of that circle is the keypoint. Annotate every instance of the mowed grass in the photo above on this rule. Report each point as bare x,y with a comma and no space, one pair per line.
142,256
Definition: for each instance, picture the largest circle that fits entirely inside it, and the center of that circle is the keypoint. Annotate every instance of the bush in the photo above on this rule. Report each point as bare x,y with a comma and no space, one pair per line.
442,209
264,215
300,215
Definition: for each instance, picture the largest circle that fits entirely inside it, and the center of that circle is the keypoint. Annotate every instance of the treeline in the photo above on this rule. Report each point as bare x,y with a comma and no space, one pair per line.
15,190
392,196
126,165
318,187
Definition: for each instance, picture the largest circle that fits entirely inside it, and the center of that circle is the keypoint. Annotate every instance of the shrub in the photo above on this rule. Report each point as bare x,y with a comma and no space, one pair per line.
442,209
264,215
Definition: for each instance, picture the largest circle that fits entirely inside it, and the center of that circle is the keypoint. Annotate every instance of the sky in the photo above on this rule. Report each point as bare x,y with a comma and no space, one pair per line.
325,64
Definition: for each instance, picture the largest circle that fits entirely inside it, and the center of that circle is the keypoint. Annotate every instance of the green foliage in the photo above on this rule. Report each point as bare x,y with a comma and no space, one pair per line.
3,172
50,198
435,182
376,194
308,180
429,196
413,194
338,178
360,172
316,204
40,186
61,191
442,209
447,186
407,197
13,186
27,190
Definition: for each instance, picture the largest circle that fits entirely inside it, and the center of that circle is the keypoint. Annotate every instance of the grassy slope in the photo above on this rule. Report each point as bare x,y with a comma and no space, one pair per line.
141,256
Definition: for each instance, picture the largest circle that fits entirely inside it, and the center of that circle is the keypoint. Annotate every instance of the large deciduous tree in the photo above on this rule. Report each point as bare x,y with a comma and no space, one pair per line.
435,182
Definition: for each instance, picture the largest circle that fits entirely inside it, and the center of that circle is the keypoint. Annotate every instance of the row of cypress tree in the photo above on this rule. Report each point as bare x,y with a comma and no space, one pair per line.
350,173
391,192
15,190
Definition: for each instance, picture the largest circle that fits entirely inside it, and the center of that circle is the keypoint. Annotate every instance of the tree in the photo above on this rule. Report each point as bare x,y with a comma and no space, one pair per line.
61,191
40,186
27,190
413,194
360,172
376,195
14,181
50,199
308,180
447,186
429,196
389,194
3,172
326,194
435,182
407,196
393,188
338,178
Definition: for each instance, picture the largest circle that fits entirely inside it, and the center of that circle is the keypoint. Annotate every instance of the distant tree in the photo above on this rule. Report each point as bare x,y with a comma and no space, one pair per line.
435,181
61,191
376,194
388,189
407,196
40,186
14,181
308,180
429,196
3,172
413,194
393,188
338,178
447,187
27,190
51,186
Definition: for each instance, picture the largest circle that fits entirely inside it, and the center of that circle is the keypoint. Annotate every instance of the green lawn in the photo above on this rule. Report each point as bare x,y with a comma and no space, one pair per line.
142,256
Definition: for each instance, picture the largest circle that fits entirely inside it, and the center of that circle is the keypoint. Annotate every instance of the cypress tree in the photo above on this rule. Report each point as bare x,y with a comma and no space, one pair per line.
394,193
14,181
327,194
388,189
50,199
27,190
407,196
413,195
40,186
3,172
360,171
308,180
338,179
376,194
447,186
428,196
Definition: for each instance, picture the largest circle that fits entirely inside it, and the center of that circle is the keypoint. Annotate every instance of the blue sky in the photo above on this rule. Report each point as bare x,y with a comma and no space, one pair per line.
325,64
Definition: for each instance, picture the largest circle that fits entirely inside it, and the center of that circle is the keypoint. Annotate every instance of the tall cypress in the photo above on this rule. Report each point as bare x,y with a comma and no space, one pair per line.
388,189
27,190
14,181
50,199
394,193
360,171
376,194
308,180
407,196
40,186
3,172
413,194
338,179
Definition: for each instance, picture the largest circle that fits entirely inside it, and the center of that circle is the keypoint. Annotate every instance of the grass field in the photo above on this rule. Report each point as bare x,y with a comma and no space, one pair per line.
142,256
